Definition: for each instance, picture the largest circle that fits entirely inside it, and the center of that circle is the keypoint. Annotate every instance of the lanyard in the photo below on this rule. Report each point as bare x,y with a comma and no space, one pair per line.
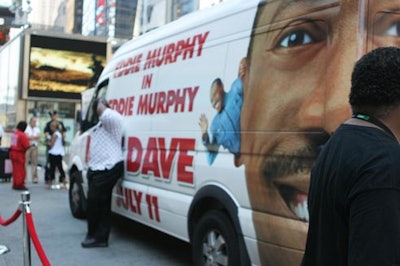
376,122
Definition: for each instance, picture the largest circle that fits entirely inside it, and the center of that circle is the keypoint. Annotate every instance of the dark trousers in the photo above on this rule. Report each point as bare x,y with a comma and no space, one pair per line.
56,162
47,166
101,184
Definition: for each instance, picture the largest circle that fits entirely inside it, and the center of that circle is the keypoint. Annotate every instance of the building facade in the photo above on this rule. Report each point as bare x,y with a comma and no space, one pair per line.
114,20
152,14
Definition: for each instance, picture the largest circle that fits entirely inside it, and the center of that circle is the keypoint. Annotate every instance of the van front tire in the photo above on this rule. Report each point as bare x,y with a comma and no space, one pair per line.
215,241
77,200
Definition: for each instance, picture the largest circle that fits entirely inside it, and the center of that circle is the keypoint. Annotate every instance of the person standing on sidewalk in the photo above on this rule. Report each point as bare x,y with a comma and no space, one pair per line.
354,193
47,135
33,133
105,168
56,153
19,145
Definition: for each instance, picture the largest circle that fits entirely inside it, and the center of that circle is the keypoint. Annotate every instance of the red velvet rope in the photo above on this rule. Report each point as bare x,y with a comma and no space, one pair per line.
11,219
32,233
35,239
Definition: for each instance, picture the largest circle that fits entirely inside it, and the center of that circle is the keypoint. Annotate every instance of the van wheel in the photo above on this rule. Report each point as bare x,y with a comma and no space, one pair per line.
77,200
215,241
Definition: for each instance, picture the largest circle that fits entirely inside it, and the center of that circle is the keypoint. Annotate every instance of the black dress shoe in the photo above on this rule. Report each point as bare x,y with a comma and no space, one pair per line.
93,243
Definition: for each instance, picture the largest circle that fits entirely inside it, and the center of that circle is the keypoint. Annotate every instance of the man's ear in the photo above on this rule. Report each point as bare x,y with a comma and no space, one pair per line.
242,68
238,160
245,82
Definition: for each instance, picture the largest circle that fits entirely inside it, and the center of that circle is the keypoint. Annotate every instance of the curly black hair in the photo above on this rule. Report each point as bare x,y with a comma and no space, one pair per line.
375,82
21,126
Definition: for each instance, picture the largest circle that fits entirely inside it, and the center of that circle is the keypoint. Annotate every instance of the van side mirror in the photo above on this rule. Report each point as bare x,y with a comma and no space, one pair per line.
85,125
79,116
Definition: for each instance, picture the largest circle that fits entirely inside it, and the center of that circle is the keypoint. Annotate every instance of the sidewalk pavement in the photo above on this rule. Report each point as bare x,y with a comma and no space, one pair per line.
60,234
58,231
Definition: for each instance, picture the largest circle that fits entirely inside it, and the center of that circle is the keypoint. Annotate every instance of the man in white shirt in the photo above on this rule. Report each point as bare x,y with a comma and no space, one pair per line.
105,168
33,133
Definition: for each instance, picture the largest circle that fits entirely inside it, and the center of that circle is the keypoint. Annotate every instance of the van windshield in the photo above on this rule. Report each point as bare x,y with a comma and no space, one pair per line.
91,119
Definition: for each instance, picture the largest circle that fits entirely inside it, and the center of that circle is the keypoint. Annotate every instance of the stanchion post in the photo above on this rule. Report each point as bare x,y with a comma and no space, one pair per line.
25,208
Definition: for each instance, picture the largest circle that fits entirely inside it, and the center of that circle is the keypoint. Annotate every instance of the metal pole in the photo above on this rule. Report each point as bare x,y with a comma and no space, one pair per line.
25,205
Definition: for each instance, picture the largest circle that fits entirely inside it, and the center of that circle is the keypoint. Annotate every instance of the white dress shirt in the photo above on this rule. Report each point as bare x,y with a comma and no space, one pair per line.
32,132
106,141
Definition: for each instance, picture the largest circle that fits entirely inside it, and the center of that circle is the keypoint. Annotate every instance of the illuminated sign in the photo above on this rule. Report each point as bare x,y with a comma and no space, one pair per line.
63,68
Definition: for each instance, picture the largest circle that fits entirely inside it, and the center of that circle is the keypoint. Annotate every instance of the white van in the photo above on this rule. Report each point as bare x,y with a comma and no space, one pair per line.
213,155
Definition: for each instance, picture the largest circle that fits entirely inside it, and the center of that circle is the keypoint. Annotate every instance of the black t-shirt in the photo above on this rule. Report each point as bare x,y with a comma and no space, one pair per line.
354,200
47,127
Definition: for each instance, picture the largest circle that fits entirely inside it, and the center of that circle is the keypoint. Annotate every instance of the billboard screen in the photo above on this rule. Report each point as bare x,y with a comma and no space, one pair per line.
62,67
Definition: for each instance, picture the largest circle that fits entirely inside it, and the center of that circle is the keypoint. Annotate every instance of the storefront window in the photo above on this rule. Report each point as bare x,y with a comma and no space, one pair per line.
42,110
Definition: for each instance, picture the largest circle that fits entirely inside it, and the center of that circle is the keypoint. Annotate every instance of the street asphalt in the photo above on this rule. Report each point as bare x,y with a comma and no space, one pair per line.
60,234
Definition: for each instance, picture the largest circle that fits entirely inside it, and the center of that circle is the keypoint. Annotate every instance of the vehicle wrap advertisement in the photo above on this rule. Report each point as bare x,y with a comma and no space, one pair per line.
245,102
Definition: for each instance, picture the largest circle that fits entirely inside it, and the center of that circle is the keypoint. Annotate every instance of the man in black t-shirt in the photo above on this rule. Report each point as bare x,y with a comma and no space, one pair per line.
54,116
354,194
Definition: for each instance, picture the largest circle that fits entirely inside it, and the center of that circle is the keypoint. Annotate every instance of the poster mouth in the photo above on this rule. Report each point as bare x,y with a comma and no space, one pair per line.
296,201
